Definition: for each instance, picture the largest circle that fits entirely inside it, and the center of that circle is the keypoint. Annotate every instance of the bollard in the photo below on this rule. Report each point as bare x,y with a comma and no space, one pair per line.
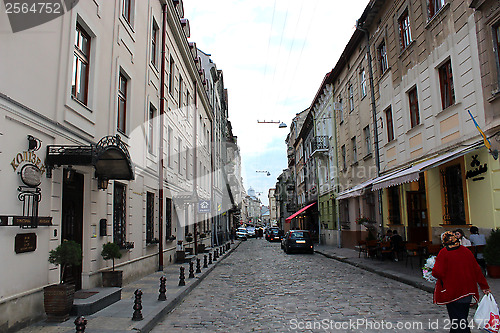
163,289
205,261
137,305
216,253
80,323
210,258
191,270
182,281
198,265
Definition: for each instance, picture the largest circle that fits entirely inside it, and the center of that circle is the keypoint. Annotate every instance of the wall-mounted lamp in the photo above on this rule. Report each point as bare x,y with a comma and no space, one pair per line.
281,124
102,184
69,174
33,143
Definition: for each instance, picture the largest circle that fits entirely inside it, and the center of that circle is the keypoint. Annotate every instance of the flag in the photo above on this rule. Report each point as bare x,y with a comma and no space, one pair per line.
486,141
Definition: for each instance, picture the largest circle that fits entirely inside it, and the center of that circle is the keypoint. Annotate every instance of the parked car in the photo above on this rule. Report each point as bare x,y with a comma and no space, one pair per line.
273,235
299,241
251,231
241,233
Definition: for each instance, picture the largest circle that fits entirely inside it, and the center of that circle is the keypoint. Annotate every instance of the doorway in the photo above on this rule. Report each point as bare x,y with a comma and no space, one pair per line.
418,230
72,219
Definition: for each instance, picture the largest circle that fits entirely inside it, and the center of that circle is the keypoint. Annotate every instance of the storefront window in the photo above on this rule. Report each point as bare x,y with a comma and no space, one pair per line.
394,208
454,204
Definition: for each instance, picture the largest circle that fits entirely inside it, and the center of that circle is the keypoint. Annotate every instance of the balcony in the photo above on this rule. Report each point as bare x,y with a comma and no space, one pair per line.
319,145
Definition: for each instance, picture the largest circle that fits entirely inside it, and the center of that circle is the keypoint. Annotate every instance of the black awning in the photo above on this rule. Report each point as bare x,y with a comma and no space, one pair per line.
110,158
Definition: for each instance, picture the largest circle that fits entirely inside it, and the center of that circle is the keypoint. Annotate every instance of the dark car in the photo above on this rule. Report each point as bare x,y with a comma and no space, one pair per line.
298,241
273,234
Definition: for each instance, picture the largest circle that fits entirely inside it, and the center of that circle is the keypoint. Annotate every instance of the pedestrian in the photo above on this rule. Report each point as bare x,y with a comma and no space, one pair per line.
458,275
397,244
461,237
478,239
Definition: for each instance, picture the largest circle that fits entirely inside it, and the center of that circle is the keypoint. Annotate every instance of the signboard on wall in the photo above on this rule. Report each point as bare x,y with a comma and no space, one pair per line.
25,243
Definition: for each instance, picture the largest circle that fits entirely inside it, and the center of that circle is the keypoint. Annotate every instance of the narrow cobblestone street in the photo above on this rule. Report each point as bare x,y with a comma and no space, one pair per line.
260,288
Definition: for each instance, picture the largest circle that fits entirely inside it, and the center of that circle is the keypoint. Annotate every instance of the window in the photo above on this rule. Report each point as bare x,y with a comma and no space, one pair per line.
340,108
150,214
154,44
393,203
382,56
362,78
354,150
454,205
169,147
179,147
446,84
81,64
390,125
127,10
122,103
168,217
368,143
433,6
171,77
151,119
187,104
351,97
414,116
119,215
180,93
404,29
344,164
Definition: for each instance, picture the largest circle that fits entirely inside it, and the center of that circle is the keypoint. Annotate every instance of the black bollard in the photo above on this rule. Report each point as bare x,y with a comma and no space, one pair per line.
137,305
191,270
205,261
80,323
198,265
216,254
163,289
210,258
182,281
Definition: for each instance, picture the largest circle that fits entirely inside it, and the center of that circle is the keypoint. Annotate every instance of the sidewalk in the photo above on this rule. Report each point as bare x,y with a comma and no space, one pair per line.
118,316
399,271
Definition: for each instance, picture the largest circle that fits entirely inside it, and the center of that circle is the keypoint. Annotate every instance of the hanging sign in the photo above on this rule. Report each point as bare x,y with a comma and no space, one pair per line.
478,169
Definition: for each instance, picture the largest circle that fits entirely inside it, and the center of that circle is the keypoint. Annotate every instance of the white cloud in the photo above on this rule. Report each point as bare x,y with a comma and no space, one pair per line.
273,63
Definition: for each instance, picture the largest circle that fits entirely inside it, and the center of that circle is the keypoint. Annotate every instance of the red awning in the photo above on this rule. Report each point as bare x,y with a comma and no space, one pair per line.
289,219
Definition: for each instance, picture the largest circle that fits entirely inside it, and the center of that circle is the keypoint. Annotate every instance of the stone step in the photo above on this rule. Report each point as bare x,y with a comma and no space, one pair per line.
98,299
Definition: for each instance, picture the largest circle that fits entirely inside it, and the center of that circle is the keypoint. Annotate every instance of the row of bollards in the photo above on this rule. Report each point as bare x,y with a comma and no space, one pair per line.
81,322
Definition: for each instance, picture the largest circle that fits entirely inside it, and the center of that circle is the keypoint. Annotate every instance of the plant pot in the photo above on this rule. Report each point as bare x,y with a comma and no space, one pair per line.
112,279
493,271
58,301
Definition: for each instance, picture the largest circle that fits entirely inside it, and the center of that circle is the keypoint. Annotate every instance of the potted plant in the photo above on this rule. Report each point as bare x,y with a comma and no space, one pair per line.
491,254
58,298
189,238
111,278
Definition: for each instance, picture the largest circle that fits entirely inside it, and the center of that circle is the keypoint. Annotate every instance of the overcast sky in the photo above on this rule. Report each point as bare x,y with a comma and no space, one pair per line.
274,55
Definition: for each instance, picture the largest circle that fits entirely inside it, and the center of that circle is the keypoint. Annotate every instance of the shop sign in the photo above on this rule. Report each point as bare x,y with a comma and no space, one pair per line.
29,166
204,206
25,243
25,221
477,170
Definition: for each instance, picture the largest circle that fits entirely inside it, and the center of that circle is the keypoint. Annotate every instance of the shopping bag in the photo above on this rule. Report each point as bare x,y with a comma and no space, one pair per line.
487,317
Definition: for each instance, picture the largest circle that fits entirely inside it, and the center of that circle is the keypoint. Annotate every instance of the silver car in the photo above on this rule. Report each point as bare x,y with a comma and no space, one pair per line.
241,233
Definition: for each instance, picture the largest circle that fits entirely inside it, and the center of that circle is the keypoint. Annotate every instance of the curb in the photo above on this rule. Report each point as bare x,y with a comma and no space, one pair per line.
154,318
397,277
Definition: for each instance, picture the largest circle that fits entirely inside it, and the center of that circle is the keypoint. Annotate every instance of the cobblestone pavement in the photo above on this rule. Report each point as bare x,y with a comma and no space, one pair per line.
260,288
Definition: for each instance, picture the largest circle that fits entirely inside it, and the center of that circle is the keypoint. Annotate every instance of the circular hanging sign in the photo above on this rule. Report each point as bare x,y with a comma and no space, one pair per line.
31,175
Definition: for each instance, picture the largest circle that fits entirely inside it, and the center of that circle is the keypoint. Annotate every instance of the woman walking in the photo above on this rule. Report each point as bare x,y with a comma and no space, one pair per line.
458,275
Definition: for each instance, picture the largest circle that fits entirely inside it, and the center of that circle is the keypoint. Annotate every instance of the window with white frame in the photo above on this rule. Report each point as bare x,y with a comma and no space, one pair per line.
496,47
344,162
446,85
362,78
433,6
382,56
155,33
128,11
350,91
404,29
340,109
354,150
151,129
122,102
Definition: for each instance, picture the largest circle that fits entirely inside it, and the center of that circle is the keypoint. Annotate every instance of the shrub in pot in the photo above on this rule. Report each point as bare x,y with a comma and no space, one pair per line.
111,278
58,298
491,254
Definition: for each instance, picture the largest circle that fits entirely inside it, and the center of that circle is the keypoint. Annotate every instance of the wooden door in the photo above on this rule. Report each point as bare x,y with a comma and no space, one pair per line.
418,230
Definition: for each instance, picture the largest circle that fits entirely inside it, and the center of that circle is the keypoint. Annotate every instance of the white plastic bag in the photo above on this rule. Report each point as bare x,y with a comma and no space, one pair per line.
487,316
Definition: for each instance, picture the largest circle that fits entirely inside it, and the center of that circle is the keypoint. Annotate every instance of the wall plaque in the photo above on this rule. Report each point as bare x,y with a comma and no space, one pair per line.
25,243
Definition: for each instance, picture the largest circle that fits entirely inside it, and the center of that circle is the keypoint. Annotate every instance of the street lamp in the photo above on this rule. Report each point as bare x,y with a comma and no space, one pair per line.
266,172
281,124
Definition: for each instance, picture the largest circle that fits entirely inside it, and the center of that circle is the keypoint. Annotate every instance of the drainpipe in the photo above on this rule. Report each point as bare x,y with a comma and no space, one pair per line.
374,116
195,168
162,115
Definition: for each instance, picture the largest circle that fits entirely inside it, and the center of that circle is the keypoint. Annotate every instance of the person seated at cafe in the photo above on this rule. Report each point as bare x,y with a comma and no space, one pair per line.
477,239
397,243
387,237
461,237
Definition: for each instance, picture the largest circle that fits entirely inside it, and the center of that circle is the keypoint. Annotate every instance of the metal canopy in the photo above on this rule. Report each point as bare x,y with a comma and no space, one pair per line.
110,158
